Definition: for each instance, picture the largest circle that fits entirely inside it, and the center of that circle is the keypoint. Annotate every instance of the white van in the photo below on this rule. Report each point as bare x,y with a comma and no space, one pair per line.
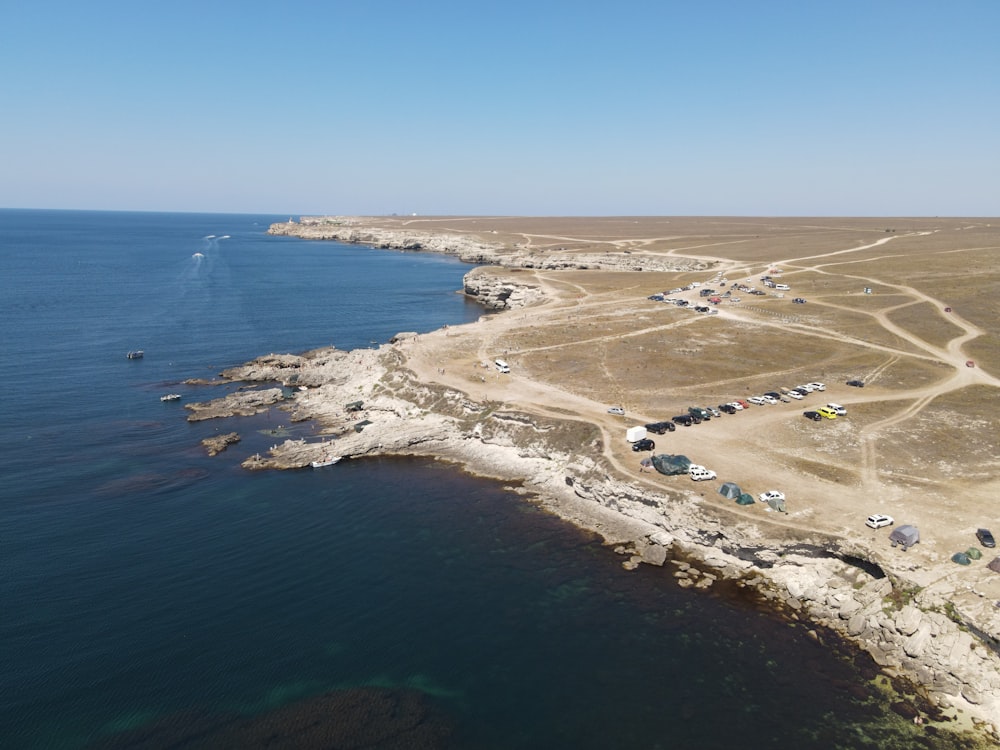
502,366
782,287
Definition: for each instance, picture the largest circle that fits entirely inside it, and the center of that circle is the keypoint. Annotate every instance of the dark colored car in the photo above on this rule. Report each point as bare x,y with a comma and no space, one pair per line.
815,416
685,419
659,428
801,391
727,408
985,538
856,383
773,394
697,411
643,445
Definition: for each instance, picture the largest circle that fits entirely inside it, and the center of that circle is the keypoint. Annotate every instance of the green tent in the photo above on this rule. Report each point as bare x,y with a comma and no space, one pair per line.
973,553
730,490
961,558
745,499
777,503
671,465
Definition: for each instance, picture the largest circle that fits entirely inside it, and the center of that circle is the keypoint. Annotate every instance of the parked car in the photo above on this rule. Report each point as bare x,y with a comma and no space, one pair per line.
659,428
771,495
794,394
799,301
878,520
697,411
837,409
768,399
617,410
801,391
643,445
815,416
985,538
774,395
701,474
825,412
805,388
856,383
727,408
818,386
715,412
742,403
684,419
757,401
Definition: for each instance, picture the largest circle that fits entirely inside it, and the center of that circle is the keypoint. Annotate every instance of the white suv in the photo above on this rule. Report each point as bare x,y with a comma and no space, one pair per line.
879,520
817,386
700,473
837,409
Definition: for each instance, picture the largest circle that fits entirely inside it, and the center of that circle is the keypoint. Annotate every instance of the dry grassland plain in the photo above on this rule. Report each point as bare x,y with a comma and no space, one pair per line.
921,440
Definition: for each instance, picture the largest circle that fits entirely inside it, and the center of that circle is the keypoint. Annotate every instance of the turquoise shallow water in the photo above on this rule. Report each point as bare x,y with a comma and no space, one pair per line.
149,588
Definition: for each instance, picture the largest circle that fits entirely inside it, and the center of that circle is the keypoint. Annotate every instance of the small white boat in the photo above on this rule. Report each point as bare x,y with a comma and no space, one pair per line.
135,354
171,397
325,462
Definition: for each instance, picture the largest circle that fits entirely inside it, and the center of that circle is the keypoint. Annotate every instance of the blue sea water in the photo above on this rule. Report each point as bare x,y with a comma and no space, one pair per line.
143,583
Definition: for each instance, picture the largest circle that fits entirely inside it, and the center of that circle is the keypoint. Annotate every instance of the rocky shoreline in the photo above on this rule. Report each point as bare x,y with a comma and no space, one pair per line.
559,462
357,231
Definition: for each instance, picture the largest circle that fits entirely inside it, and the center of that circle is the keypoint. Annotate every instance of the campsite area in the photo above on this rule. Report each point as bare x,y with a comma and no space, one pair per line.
901,305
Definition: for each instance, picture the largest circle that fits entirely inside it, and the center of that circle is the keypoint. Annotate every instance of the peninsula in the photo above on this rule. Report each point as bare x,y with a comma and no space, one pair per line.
600,312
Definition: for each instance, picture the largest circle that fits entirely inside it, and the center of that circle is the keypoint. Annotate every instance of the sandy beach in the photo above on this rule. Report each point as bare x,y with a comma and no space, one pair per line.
900,305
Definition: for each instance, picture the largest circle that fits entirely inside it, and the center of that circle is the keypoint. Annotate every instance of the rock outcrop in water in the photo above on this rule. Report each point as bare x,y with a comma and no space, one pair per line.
499,291
218,443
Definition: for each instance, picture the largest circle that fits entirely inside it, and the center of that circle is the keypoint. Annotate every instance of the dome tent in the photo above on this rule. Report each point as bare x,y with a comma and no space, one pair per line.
906,536
730,490
745,499
961,558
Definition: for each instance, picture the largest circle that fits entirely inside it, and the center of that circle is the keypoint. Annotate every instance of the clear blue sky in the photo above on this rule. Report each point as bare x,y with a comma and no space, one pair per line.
714,107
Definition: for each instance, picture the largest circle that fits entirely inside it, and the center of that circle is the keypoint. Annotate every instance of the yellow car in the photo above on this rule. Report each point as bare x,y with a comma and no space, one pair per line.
825,412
